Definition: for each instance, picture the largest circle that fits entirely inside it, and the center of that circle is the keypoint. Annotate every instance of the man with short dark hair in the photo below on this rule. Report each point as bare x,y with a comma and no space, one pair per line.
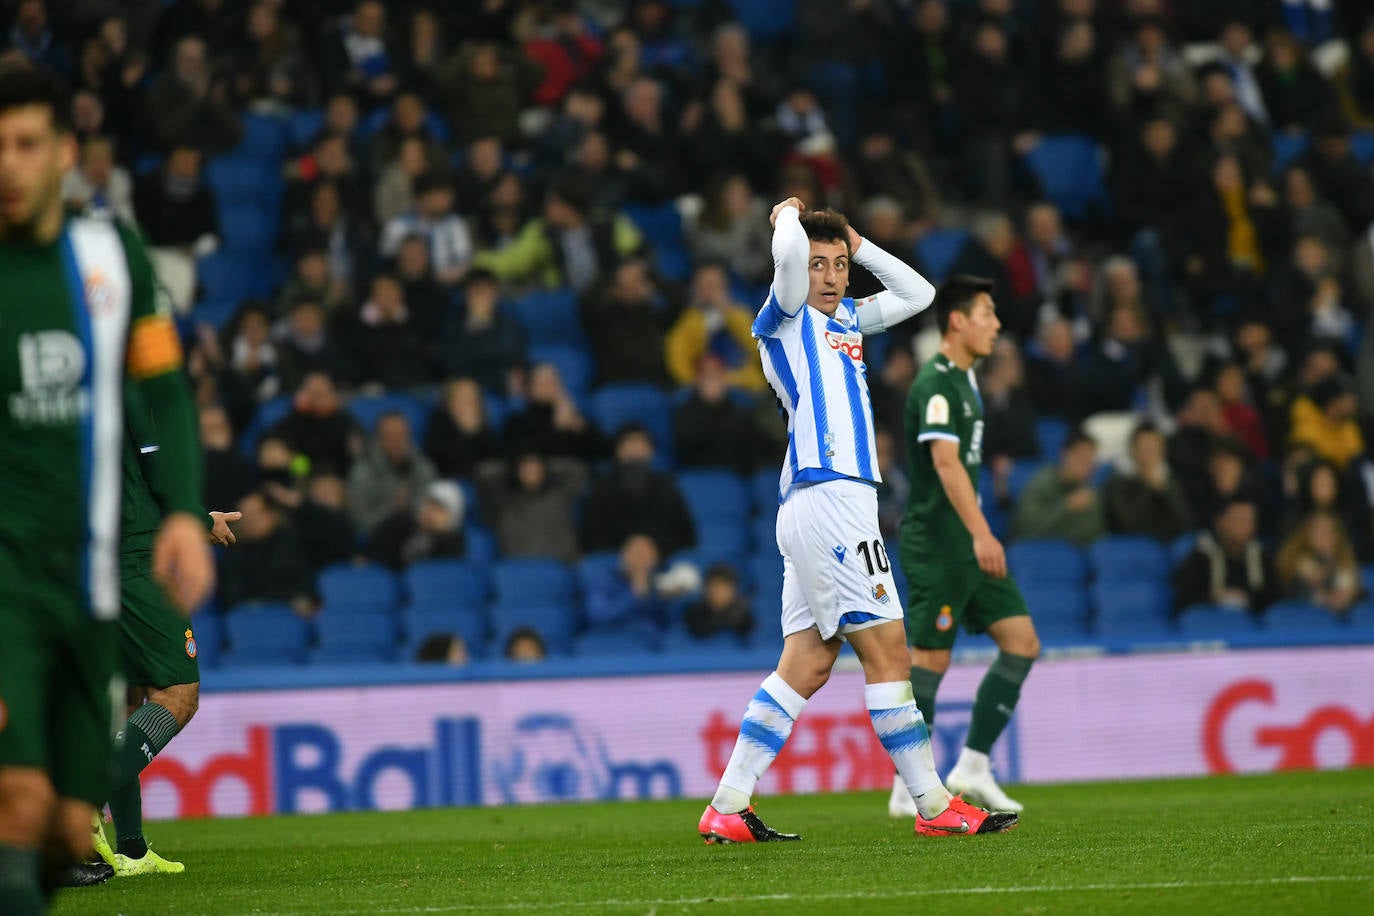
1229,566
1147,499
955,565
1060,500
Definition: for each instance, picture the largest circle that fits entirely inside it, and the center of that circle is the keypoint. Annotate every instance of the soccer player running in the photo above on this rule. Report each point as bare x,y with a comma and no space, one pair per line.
956,569
837,583
77,317
157,645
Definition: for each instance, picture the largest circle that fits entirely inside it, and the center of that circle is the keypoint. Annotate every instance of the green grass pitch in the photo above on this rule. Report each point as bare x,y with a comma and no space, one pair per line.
1295,843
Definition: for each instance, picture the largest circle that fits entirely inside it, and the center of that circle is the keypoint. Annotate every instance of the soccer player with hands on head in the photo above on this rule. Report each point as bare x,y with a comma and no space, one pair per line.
837,581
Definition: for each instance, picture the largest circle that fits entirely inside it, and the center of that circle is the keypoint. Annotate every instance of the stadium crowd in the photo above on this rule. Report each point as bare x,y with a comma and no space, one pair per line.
474,281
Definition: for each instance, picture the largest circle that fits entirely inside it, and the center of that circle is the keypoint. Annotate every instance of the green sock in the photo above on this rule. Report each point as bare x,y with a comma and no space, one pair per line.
146,733
20,891
126,807
996,700
924,684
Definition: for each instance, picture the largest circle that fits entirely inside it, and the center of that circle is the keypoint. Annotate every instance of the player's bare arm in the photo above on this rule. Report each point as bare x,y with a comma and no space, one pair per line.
992,559
182,561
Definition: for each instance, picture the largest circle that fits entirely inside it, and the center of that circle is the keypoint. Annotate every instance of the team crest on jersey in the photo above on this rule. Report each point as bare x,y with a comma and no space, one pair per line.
937,411
851,345
190,645
100,294
945,620
880,594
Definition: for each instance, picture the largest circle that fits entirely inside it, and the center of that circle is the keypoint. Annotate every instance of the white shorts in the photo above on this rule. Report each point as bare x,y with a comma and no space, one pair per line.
836,574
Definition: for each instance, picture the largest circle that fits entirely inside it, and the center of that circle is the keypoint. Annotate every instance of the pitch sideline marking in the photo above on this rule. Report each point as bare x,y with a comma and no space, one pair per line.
871,895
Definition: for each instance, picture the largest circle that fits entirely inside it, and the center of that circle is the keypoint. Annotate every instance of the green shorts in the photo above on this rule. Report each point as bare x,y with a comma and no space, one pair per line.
60,689
156,642
941,595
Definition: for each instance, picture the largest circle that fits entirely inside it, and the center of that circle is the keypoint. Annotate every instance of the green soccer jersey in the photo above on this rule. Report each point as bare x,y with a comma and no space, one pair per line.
76,315
943,404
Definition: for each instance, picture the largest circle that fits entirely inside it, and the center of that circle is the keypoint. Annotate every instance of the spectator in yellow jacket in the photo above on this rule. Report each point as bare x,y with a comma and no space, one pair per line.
1324,419
714,324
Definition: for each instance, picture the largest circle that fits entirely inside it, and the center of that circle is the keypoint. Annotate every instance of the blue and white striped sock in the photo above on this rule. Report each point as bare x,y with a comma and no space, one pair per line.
767,722
904,736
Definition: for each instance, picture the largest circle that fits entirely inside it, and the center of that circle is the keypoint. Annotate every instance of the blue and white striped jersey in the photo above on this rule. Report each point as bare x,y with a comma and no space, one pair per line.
815,362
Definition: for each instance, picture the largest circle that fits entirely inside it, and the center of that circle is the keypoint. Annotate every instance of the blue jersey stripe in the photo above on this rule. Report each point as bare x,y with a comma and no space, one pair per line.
813,368
858,416
777,355
81,321
769,318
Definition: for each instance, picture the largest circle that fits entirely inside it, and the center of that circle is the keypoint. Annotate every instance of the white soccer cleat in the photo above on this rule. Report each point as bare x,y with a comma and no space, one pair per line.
977,785
900,803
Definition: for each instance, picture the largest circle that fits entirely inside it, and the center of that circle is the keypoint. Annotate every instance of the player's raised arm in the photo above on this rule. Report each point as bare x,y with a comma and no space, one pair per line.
791,251
907,293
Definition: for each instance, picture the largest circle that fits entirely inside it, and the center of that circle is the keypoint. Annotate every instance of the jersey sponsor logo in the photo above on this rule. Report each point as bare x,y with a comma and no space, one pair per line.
937,411
51,365
945,620
190,645
880,594
851,345
839,553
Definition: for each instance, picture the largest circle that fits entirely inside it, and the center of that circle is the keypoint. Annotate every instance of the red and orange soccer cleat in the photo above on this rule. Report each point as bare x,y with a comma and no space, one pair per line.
962,818
744,827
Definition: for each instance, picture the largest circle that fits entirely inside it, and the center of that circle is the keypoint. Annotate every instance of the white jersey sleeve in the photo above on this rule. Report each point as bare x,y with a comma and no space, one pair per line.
907,293
787,295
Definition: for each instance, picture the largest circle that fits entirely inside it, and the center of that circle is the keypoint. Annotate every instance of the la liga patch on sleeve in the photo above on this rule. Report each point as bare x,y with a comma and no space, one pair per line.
937,411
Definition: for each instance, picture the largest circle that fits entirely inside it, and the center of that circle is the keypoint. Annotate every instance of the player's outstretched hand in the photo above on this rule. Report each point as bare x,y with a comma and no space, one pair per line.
789,202
221,533
182,561
992,559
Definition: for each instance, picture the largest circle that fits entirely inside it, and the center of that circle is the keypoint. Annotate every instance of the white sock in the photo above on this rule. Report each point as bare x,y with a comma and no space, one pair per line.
973,762
903,734
767,722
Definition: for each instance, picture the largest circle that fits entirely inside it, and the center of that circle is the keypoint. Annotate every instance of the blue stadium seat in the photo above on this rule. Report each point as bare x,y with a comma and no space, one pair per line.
1287,148
1068,168
229,277
1360,622
1129,558
573,362
345,635
678,639
728,540
661,225
368,409
344,585
550,316
264,137
422,619
618,640
1362,146
375,121
248,228
765,569
262,635
481,544
763,491
238,179
1181,547
459,583
938,251
554,621
715,495
267,415
1021,473
1133,630
1051,433
530,580
303,125
208,629
1056,603
613,406
1299,619
594,568
1131,600
216,314
1215,623
1063,632
1047,562
767,21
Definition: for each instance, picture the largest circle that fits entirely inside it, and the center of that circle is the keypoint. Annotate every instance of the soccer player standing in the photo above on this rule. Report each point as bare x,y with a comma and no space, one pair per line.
837,583
955,567
77,317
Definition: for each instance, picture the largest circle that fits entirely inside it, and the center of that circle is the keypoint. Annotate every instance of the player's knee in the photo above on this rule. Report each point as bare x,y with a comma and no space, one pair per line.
1027,645
27,801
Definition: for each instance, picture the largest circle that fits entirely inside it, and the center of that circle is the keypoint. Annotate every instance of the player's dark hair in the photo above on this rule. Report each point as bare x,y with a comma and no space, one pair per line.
1142,428
22,85
826,226
957,295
